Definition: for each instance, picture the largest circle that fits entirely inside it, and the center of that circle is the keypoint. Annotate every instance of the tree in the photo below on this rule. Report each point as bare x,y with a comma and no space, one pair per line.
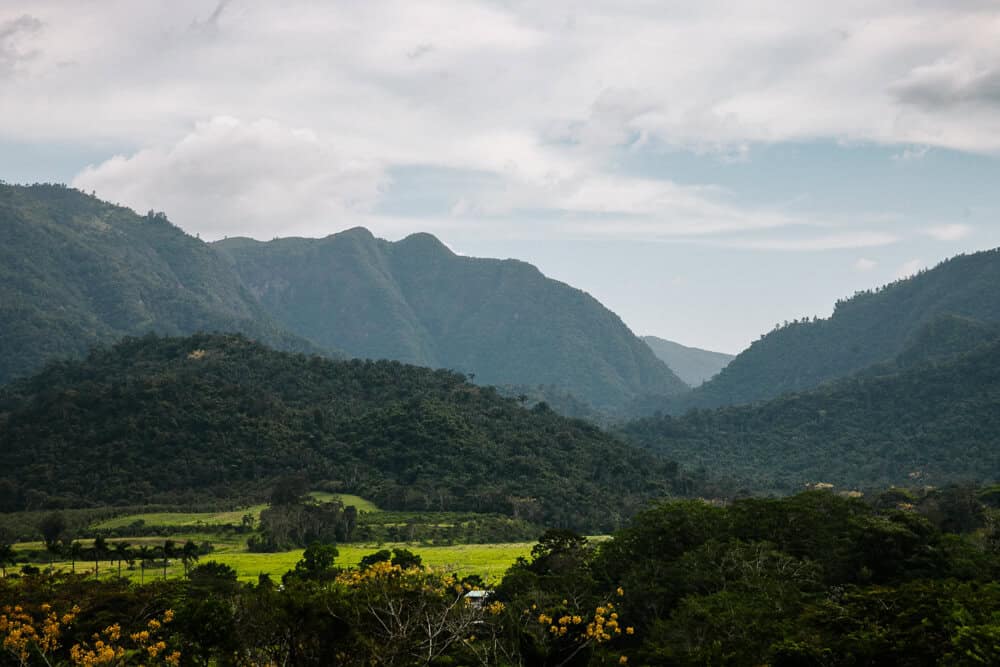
100,552
189,555
169,550
123,550
317,563
7,557
52,526
145,554
75,554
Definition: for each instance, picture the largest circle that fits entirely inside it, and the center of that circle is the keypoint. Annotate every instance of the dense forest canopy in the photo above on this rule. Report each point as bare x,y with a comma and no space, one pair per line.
929,418
180,419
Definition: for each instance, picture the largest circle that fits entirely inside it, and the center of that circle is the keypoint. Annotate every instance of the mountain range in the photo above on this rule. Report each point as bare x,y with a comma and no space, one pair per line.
77,272
418,302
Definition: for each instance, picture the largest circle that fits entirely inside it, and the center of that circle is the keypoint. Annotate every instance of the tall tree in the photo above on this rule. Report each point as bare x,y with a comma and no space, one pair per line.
123,551
100,552
75,553
7,557
189,555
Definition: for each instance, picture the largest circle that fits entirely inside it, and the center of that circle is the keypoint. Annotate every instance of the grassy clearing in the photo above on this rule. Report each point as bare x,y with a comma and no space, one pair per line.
489,561
226,518
184,519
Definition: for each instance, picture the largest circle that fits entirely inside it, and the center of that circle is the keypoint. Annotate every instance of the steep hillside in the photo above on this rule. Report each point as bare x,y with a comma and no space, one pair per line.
76,271
926,419
691,364
416,301
178,419
869,328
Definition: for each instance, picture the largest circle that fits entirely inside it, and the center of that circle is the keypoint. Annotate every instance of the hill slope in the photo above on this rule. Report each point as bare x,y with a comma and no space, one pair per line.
870,328
416,301
691,364
177,419
928,418
76,271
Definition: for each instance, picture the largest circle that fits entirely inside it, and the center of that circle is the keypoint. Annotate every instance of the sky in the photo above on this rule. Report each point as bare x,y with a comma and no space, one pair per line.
706,170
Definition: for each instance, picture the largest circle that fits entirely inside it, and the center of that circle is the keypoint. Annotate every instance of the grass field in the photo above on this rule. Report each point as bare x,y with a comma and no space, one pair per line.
489,561
184,519
231,518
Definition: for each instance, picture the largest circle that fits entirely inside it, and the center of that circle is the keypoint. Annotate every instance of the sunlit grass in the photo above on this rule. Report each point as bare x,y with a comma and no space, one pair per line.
489,561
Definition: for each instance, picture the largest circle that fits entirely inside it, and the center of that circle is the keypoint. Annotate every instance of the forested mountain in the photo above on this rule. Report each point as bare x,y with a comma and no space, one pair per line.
76,271
691,364
870,328
927,418
418,302
178,419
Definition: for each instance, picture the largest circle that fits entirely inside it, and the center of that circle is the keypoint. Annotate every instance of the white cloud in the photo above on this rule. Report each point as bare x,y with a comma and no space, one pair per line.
863,264
539,95
229,177
953,232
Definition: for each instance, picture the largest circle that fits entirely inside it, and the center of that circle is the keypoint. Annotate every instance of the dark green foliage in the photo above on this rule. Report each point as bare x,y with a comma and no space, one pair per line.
934,422
76,271
52,526
945,310
292,525
174,419
809,580
417,302
317,563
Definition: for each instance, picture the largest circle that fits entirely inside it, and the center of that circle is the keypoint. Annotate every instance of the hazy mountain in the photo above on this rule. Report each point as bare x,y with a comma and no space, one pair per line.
926,419
690,364
76,271
418,302
869,328
178,419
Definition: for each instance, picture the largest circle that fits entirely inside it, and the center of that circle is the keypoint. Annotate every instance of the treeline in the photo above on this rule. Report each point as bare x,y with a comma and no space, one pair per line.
928,418
813,579
210,417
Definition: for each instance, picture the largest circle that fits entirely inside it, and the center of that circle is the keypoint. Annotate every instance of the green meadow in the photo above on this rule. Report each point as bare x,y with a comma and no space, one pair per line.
489,561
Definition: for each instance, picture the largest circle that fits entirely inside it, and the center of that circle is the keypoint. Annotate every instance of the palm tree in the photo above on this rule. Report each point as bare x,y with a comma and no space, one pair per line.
145,553
169,551
75,554
189,555
123,550
100,551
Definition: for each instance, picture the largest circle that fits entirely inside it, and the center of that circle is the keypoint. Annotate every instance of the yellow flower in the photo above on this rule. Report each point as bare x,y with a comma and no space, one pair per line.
622,660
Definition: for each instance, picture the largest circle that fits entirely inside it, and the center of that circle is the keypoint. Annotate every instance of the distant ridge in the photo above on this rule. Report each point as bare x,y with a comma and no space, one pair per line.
416,301
869,328
691,364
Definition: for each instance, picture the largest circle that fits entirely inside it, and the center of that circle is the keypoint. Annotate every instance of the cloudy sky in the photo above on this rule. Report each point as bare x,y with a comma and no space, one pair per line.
705,169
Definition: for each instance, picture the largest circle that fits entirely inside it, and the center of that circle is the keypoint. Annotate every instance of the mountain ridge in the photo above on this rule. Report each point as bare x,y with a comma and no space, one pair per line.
871,327
501,320
693,365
